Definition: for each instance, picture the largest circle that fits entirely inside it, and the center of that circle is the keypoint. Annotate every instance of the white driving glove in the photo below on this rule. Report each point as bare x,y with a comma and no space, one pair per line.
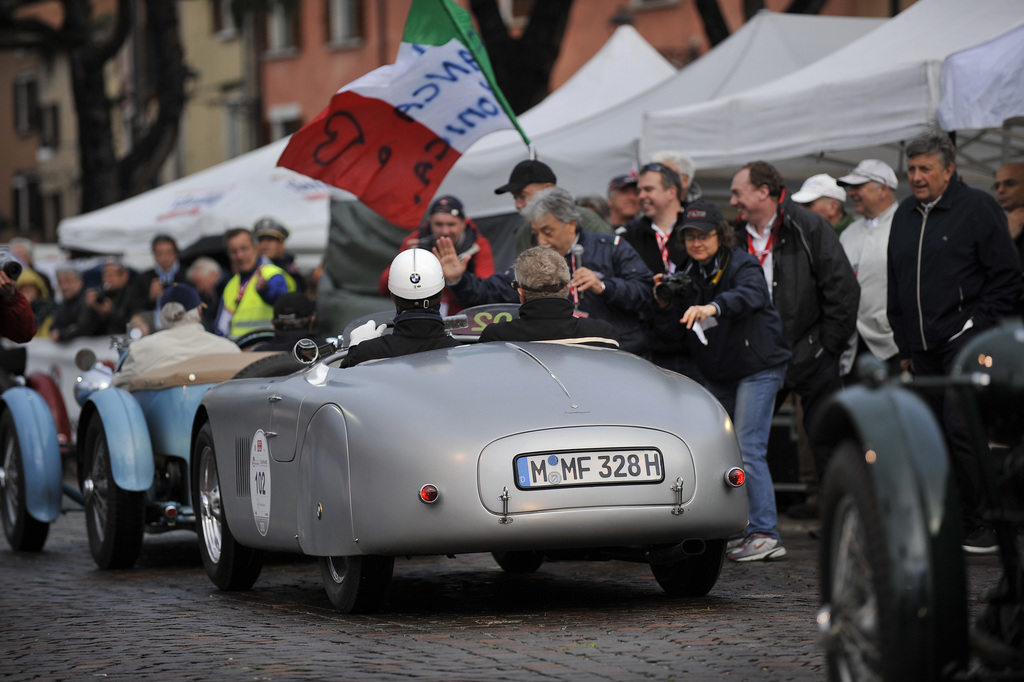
364,332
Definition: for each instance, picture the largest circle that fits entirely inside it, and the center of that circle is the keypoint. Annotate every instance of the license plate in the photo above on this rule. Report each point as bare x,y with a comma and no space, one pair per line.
589,467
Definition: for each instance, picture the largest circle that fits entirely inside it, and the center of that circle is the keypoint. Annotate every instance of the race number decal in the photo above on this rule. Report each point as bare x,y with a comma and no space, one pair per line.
259,481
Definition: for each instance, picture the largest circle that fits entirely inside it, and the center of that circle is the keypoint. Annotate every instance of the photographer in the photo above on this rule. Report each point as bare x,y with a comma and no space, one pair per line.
16,319
718,304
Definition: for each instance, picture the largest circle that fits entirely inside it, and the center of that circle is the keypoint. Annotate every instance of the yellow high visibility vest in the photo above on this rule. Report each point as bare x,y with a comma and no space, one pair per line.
249,311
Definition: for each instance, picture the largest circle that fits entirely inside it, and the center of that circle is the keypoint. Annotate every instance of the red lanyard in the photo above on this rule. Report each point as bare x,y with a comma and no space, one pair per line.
572,290
761,254
662,246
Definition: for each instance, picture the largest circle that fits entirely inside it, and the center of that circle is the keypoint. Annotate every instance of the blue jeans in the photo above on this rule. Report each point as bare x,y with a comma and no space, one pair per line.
750,403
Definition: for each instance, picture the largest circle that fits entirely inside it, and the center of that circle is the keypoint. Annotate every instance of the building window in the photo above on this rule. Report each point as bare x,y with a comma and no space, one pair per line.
53,213
26,203
283,27
284,119
26,104
223,19
49,126
344,22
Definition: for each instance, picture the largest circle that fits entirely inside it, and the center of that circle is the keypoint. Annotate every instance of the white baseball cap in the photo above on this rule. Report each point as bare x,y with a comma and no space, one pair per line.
817,186
871,170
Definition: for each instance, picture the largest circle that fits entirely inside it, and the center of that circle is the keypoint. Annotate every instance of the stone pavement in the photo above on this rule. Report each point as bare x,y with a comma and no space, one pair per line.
445,619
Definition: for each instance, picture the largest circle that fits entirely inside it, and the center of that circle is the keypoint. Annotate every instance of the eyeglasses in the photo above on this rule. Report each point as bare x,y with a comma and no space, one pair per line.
1008,183
694,236
654,167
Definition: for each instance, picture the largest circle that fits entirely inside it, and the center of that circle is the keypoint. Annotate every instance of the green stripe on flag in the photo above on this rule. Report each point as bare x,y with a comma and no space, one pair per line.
435,22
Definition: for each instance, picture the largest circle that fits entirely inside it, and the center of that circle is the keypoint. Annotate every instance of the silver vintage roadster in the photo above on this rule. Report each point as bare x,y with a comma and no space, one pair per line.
520,449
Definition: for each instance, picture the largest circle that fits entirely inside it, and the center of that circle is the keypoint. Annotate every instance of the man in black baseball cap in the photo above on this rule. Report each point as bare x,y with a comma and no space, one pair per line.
294,319
529,177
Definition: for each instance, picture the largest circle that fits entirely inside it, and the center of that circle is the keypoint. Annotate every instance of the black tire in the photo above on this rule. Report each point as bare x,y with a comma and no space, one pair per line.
518,562
114,518
277,365
693,576
24,533
248,340
357,584
229,565
872,630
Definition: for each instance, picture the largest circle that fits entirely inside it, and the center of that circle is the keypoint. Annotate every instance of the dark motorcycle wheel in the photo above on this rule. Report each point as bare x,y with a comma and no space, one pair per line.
693,576
114,517
357,584
24,533
518,562
229,565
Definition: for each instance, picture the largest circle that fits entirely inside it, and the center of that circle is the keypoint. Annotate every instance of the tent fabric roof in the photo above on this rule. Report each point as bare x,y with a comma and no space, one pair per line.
587,153
983,86
881,88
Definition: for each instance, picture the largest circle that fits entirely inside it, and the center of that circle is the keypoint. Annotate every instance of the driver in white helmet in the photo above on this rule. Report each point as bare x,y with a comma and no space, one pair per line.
415,282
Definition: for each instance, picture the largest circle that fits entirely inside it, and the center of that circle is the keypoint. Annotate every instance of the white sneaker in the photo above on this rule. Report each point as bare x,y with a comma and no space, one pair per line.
758,547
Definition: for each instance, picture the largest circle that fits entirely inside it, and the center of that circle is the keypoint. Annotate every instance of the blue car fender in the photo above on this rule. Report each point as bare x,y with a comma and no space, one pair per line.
131,453
40,451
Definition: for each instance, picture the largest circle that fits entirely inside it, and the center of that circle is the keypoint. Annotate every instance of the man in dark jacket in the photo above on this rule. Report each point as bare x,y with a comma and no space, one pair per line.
415,282
662,202
809,279
953,271
546,313
609,279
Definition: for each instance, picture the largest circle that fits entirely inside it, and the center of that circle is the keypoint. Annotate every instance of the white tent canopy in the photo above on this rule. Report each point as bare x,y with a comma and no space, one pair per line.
586,154
235,193
240,191
882,88
983,86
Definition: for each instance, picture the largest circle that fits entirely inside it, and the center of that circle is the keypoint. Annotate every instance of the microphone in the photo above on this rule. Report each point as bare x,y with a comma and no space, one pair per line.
577,258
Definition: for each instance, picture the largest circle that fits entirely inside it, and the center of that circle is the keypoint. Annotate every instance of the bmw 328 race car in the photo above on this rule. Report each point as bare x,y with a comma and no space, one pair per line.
519,449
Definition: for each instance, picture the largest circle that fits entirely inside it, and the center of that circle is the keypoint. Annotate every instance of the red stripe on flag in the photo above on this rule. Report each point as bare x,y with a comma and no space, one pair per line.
361,144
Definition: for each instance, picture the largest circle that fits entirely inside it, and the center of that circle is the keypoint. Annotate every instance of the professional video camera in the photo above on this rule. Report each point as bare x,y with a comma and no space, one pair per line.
673,287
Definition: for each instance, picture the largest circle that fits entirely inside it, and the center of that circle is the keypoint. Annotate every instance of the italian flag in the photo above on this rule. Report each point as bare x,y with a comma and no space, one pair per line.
391,136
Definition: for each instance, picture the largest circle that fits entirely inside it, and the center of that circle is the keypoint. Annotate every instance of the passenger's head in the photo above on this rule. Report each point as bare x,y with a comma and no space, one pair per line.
416,280
179,304
165,251
527,178
871,186
1009,186
541,272
623,197
931,160
241,249
293,311
553,217
447,218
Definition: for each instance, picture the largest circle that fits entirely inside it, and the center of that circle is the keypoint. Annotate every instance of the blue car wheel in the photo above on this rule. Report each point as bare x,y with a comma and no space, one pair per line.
24,533
114,517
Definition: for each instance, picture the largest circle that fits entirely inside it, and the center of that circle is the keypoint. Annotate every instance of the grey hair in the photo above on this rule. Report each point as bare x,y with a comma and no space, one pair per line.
172,314
554,200
541,268
680,161
23,242
933,142
204,265
68,270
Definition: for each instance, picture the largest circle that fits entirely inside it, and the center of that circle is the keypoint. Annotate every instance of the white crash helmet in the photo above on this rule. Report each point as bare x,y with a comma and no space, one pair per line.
415,274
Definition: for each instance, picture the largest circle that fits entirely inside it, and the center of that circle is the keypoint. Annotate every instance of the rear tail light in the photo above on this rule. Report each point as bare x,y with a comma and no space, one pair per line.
735,477
429,493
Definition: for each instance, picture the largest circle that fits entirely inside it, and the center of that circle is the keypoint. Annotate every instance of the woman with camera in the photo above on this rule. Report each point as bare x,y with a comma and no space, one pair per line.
726,317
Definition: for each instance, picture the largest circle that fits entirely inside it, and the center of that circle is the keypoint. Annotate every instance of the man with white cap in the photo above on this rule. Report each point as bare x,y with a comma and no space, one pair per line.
182,337
871,186
822,195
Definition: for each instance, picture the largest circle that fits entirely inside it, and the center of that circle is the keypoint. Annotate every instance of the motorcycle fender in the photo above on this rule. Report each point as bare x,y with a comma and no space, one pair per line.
131,453
40,452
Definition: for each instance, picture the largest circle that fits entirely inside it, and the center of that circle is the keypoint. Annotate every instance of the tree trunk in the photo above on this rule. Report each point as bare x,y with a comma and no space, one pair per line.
522,66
